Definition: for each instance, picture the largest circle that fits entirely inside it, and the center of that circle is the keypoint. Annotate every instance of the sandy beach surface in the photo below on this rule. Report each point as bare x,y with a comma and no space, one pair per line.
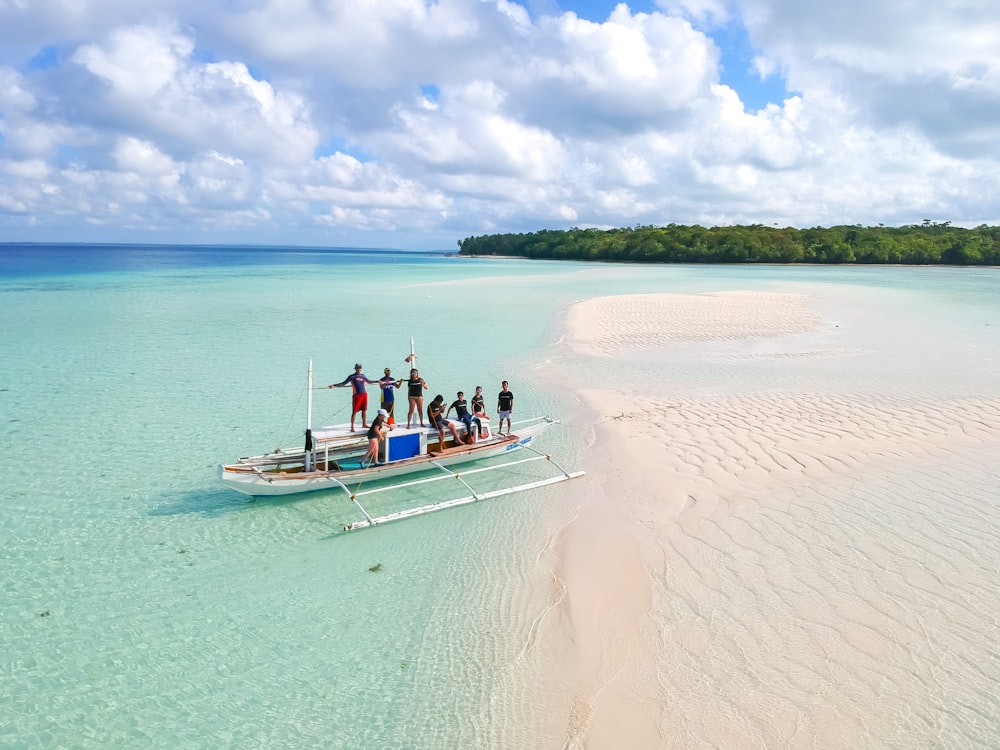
780,561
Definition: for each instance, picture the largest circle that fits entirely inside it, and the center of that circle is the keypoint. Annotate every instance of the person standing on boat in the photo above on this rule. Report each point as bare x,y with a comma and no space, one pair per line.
438,422
389,384
376,433
415,393
479,409
359,401
461,407
505,406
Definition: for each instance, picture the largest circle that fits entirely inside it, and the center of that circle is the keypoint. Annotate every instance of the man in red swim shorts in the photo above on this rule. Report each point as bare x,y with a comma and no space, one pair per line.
359,401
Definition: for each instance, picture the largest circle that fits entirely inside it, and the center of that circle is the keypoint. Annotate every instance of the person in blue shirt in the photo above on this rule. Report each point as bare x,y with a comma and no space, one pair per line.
389,384
359,400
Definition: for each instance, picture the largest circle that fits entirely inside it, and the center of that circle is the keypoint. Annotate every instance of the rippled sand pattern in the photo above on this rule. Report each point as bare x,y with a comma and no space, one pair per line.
848,615
607,326
790,438
838,614
823,564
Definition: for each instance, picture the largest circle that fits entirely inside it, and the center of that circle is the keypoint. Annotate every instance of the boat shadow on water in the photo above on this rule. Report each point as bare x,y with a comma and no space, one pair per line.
215,503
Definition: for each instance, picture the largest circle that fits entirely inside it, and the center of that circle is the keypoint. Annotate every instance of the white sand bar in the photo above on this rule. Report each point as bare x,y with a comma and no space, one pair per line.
776,568
607,326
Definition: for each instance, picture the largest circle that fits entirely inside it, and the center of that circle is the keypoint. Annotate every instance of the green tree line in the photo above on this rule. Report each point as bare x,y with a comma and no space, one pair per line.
916,244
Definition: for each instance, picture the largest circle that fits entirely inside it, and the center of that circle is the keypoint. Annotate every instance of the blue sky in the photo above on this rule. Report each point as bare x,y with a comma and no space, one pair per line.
414,124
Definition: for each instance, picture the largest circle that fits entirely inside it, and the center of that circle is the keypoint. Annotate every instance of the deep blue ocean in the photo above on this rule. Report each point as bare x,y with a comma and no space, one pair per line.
30,259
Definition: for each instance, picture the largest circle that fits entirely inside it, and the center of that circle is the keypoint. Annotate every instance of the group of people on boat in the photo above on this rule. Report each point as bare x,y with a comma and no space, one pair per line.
388,384
436,413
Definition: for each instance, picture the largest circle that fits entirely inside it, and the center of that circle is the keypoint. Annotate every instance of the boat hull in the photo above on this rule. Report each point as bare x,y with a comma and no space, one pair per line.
251,480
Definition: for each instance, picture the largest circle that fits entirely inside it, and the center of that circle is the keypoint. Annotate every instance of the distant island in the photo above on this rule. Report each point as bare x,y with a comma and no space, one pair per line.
916,244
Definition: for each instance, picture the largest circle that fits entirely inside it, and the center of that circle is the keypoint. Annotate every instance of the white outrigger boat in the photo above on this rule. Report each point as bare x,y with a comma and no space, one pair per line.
332,459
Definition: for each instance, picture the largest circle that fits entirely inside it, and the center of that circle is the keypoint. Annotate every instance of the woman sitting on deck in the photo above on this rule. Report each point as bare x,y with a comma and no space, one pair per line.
435,414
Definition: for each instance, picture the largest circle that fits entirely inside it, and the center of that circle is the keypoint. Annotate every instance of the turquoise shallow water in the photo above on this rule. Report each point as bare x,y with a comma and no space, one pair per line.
146,606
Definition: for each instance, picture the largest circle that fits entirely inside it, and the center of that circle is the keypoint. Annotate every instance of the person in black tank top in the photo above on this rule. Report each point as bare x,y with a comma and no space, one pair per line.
479,409
375,434
415,394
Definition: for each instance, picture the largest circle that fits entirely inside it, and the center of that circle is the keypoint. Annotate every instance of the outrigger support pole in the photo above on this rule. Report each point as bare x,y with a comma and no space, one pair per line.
439,477
446,470
458,501
354,499
474,497
549,459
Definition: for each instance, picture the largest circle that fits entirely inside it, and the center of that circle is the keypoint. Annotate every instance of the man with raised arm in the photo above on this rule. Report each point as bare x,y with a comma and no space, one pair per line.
359,399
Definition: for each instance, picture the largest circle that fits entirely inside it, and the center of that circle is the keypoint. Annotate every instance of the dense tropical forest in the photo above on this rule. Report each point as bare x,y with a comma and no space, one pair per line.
926,243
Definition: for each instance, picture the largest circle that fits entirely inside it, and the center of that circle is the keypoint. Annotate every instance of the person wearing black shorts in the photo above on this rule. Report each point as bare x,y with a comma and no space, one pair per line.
415,393
479,409
376,433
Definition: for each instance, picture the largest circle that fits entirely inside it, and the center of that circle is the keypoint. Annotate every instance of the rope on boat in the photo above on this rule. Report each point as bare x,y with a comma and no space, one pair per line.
292,418
347,406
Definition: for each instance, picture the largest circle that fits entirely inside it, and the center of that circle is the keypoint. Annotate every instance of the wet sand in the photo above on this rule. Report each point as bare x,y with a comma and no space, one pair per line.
768,567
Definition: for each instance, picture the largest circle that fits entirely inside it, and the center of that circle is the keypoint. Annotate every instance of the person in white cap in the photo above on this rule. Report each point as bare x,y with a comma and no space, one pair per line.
376,433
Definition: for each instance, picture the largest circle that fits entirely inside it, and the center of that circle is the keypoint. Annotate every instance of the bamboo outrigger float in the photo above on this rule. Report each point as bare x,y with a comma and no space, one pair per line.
332,459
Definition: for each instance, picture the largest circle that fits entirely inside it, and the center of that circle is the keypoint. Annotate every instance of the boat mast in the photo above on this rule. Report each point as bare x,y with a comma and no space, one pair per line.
309,420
